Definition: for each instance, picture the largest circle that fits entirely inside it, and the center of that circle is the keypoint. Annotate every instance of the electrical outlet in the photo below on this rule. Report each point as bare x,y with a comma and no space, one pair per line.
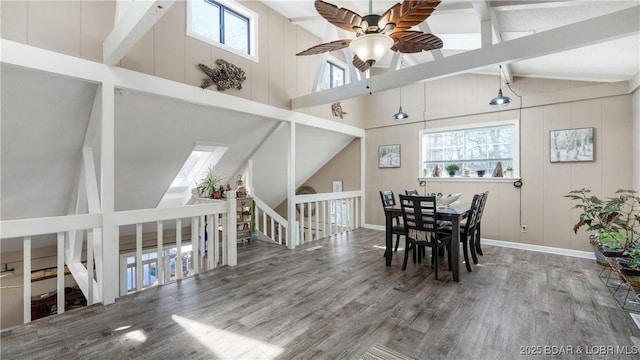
523,228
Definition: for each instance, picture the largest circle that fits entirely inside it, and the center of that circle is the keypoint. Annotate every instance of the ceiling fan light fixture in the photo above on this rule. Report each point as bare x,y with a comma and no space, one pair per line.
400,115
371,47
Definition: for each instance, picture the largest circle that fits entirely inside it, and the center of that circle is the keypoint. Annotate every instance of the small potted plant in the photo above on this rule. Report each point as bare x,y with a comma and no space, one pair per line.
209,185
452,169
508,171
630,264
425,172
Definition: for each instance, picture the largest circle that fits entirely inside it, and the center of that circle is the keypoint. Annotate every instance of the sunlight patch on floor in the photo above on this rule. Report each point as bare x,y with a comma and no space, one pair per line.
136,335
225,344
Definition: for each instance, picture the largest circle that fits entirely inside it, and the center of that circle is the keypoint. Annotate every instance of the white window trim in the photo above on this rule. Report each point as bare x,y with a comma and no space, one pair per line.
516,147
340,63
253,29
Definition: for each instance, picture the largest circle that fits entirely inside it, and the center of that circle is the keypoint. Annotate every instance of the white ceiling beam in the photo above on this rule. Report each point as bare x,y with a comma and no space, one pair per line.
592,31
535,5
140,16
490,32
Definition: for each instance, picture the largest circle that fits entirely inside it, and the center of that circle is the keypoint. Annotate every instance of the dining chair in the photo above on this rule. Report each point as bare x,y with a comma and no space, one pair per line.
468,231
476,237
412,192
388,199
420,221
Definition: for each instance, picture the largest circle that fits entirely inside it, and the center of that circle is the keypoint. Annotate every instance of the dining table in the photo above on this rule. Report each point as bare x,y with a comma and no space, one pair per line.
454,213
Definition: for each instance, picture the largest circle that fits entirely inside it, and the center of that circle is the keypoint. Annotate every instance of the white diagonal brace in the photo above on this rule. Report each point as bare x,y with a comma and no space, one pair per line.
490,28
134,24
592,31
437,53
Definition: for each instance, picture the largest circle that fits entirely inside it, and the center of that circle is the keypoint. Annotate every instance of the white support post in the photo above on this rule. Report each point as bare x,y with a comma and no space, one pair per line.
324,219
161,274
231,241
291,186
317,205
309,219
60,278
26,279
195,244
110,239
363,154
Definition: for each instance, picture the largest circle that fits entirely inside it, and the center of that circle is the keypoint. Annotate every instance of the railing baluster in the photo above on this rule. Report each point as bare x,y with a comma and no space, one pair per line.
178,249
215,251
138,257
160,269
195,253
210,241
60,274
26,279
90,290
324,218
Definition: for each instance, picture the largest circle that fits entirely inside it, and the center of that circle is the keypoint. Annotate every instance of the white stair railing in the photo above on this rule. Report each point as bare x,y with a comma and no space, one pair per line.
323,215
270,223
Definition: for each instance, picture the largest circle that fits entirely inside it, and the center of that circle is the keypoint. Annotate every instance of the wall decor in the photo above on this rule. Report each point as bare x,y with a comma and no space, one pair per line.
571,145
337,186
389,156
225,76
336,110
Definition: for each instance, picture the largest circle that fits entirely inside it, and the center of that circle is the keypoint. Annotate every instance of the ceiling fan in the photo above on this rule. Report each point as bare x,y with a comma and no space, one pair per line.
375,34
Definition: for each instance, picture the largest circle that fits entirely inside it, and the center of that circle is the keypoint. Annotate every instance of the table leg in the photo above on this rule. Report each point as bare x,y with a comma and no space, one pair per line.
388,250
455,247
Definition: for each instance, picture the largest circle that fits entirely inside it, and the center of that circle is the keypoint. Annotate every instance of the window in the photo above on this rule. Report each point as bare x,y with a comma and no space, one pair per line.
339,212
150,266
223,23
473,148
333,76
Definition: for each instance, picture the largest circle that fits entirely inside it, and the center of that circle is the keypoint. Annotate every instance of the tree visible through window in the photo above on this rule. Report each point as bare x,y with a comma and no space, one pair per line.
474,148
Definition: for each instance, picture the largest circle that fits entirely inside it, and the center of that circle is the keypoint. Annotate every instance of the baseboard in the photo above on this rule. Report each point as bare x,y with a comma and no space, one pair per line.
521,246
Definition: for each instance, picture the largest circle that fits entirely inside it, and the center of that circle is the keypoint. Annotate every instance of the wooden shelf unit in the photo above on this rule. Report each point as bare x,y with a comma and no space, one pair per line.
244,215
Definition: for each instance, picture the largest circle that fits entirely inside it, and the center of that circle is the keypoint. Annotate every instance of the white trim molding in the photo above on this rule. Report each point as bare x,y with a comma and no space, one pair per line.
521,246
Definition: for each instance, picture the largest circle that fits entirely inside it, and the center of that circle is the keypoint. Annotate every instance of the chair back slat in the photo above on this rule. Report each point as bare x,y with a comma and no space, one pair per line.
420,213
412,192
388,199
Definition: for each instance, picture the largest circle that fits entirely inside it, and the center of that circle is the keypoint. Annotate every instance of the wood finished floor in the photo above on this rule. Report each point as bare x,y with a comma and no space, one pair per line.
336,302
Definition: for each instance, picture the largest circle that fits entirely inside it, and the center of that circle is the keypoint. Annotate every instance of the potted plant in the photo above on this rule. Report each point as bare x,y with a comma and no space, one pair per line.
614,220
630,264
209,185
425,172
508,171
452,169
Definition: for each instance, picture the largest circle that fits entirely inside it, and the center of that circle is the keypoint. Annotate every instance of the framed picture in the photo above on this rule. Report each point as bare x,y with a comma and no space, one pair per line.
389,156
337,186
571,145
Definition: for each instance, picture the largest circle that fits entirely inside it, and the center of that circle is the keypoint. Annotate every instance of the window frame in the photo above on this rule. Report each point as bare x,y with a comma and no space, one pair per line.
515,148
338,63
235,9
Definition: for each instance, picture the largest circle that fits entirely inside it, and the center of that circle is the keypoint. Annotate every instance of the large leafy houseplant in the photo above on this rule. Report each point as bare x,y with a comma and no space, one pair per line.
614,220
209,184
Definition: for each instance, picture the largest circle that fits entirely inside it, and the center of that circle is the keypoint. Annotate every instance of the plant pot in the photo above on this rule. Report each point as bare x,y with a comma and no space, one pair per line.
480,173
600,259
452,173
609,252
623,266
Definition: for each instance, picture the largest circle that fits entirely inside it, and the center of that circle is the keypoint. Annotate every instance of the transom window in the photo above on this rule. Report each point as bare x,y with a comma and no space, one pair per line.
333,76
223,23
472,149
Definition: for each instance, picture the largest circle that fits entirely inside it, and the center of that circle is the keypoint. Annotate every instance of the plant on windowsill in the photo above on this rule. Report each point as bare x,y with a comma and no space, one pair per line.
508,171
209,185
452,169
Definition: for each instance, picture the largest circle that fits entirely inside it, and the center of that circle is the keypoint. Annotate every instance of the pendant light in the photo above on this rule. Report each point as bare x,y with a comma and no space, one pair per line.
400,115
500,101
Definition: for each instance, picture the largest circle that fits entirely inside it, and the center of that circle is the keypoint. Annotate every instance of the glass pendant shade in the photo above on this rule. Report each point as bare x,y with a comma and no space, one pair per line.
500,100
371,47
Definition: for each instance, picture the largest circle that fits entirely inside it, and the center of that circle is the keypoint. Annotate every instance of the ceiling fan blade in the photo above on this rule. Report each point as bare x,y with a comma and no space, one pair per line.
326,47
408,13
414,41
340,17
359,64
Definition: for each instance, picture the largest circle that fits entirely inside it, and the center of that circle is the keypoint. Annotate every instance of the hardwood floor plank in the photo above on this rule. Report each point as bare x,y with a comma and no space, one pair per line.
336,302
